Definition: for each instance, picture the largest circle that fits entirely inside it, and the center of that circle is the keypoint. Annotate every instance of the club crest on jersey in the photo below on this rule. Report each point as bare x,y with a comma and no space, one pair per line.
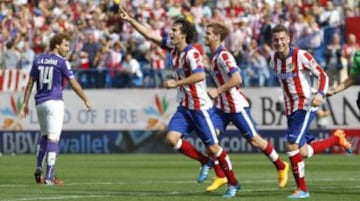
291,66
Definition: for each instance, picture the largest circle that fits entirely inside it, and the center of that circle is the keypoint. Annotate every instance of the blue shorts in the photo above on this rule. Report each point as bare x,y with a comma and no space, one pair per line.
185,121
298,124
242,120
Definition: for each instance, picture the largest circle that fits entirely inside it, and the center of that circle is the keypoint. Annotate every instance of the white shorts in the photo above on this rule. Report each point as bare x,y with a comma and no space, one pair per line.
51,116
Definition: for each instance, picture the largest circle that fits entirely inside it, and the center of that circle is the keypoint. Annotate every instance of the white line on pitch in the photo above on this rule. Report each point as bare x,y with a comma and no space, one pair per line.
178,182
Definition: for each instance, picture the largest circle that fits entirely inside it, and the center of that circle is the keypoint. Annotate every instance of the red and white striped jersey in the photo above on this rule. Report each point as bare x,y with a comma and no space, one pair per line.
222,67
185,63
294,73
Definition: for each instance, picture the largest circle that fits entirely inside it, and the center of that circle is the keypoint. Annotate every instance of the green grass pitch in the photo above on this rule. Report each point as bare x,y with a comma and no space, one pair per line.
158,177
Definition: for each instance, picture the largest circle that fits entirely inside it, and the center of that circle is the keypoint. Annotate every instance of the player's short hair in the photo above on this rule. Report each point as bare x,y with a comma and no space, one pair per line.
186,28
280,28
58,39
219,28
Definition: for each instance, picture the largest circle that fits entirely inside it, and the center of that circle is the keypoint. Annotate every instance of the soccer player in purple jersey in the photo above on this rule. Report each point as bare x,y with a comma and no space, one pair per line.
232,105
48,72
196,108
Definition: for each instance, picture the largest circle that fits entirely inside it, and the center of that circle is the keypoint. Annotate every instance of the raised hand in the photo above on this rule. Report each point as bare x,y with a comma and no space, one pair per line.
124,15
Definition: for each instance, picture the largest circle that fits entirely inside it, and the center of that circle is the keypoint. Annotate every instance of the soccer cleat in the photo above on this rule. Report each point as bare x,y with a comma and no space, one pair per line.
283,175
216,184
204,171
38,178
54,181
299,194
231,191
343,142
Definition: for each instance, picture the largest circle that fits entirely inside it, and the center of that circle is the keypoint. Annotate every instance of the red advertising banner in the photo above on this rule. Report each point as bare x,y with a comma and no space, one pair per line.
352,26
12,80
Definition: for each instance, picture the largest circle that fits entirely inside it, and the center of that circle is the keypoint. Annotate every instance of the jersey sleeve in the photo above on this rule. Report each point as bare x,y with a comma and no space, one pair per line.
226,60
194,60
355,68
310,64
67,70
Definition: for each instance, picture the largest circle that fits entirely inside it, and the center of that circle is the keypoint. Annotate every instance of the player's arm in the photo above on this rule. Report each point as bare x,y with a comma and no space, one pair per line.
343,85
143,30
228,63
194,61
25,106
317,71
354,73
235,80
192,79
80,92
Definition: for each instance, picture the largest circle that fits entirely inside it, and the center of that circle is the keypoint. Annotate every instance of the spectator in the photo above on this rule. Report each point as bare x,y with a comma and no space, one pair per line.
114,65
349,50
265,32
90,49
330,16
323,115
27,56
10,57
333,65
156,75
130,74
260,69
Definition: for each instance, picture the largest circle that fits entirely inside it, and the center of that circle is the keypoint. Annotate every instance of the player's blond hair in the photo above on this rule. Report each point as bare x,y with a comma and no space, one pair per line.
220,29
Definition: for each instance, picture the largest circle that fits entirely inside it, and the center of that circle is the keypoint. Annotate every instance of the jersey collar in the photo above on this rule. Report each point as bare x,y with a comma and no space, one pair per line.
217,51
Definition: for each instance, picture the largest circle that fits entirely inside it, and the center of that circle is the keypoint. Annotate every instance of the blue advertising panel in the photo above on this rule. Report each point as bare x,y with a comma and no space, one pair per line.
103,142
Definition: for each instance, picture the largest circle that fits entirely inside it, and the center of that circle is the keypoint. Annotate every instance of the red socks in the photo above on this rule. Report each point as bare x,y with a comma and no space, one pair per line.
187,149
218,170
322,145
226,165
270,152
298,168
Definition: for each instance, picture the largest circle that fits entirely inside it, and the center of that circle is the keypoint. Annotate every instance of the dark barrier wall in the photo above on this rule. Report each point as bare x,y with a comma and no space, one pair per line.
145,141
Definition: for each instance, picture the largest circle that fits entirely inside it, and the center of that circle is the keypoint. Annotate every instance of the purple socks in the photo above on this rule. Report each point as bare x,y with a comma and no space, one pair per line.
52,150
41,151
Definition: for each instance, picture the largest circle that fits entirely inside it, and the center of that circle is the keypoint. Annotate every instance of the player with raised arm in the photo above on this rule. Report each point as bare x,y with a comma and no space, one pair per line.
294,68
195,107
48,72
232,105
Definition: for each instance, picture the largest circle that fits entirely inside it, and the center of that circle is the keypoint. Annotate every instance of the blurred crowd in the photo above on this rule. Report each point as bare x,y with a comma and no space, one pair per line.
108,53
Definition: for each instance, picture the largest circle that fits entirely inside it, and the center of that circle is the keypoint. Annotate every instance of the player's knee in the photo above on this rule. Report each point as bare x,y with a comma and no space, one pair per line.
213,150
172,138
292,146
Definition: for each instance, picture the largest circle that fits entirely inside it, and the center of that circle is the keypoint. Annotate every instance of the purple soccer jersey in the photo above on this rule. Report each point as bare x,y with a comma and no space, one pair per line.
49,71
